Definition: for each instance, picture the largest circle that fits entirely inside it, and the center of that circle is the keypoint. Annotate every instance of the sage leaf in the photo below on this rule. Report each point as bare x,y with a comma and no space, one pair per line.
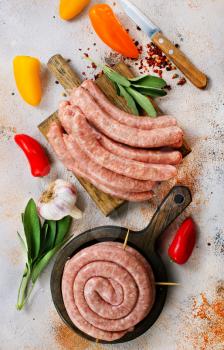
32,230
63,227
129,99
150,81
116,88
43,262
23,243
143,101
138,78
116,77
50,235
44,232
151,92
42,244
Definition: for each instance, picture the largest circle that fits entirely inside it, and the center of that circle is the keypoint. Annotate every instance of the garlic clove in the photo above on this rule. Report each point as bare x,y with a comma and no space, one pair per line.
59,201
76,213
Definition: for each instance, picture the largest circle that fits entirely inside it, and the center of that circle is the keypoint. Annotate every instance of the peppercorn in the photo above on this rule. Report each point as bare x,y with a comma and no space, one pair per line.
182,81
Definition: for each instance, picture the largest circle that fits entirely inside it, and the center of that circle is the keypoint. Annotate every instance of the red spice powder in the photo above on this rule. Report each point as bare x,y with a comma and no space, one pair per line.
205,331
67,339
212,331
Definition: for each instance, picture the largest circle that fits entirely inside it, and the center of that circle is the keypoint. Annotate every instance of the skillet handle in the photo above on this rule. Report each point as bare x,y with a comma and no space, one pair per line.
171,207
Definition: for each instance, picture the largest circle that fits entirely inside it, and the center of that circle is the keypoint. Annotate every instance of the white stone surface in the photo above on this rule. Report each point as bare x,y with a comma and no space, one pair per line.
29,27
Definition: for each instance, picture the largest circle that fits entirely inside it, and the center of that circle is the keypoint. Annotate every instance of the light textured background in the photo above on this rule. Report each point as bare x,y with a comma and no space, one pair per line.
32,27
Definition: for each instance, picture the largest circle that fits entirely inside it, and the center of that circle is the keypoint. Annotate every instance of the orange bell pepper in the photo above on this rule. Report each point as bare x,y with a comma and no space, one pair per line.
27,77
110,30
69,9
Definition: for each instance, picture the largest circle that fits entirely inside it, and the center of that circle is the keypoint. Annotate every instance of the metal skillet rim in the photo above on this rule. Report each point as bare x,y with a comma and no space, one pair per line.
141,327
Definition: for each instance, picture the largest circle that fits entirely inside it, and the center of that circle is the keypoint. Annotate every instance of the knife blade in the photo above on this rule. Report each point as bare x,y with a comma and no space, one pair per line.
198,78
139,18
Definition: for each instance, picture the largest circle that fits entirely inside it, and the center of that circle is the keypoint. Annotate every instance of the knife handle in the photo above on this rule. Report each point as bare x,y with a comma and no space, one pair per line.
197,78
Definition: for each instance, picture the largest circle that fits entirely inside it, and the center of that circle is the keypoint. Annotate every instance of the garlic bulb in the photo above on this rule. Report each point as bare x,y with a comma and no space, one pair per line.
59,201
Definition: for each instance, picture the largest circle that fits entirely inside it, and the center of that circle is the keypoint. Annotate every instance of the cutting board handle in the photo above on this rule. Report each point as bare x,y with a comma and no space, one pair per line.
171,207
197,78
65,75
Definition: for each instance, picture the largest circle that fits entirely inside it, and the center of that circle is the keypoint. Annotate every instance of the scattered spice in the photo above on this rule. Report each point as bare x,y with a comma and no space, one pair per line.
7,132
177,46
203,327
96,76
212,313
138,28
13,93
182,81
151,59
175,76
156,59
219,241
69,340
93,65
56,82
68,60
84,73
167,87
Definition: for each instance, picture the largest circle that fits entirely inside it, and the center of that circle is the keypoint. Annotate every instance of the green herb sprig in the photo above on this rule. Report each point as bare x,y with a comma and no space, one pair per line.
136,90
42,241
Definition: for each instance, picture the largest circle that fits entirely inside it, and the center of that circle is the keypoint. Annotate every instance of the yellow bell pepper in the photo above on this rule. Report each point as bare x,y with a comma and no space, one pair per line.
27,77
71,8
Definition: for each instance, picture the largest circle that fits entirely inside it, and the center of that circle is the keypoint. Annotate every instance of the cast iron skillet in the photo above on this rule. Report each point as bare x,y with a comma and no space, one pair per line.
144,241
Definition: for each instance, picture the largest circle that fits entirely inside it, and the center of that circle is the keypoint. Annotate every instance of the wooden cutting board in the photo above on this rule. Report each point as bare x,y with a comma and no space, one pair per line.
69,80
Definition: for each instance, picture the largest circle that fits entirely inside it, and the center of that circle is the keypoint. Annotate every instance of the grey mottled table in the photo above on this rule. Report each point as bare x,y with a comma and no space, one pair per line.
33,28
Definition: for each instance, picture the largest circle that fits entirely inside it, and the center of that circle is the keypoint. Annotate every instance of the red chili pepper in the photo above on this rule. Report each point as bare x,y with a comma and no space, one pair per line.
37,157
183,243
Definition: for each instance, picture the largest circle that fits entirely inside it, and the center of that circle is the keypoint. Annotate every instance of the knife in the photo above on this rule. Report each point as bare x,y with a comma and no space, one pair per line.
197,78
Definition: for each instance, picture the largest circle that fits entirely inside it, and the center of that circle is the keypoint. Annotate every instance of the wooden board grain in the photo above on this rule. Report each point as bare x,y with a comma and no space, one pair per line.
69,79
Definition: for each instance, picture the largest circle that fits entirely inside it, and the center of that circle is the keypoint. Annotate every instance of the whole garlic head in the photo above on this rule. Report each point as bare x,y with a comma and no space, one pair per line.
59,201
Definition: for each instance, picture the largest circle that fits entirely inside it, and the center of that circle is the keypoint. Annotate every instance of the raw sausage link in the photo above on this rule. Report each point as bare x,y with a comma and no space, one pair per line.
147,156
56,140
107,290
86,138
119,132
142,155
68,122
145,123
102,174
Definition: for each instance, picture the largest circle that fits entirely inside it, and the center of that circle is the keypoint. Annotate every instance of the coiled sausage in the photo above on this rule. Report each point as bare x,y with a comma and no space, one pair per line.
107,290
